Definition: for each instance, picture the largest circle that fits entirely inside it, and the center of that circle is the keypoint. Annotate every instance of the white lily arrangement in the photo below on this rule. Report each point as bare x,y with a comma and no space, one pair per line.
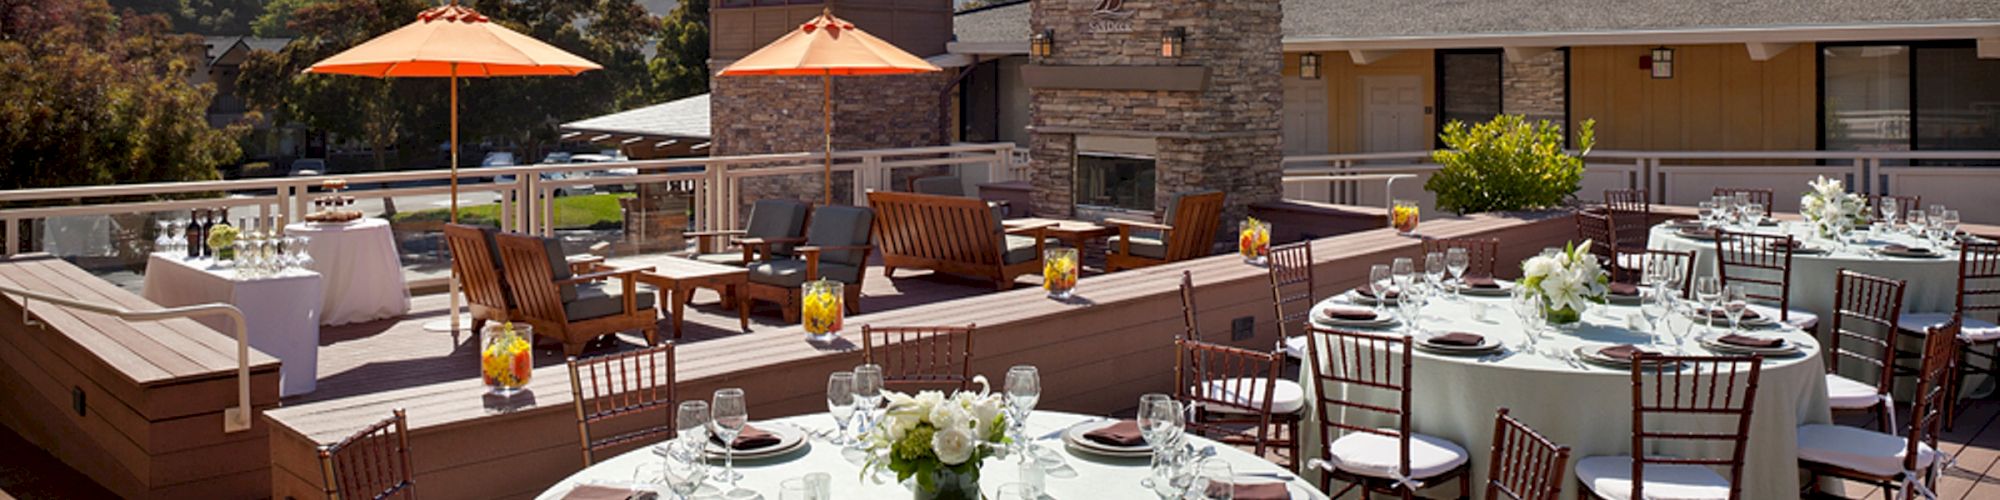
1565,283
929,433
1830,208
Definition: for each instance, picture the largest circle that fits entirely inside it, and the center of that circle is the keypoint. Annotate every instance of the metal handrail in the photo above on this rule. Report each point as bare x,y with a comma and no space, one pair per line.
233,419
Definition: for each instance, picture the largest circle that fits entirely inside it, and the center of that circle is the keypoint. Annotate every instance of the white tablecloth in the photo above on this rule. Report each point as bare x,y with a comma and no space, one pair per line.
1085,477
280,312
1588,409
364,277
1932,283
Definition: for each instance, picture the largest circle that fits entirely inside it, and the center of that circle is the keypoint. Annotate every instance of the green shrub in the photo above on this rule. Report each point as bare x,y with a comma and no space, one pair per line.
1507,164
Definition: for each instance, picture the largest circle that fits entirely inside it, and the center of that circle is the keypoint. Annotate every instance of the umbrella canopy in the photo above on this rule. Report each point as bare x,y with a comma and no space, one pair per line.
453,41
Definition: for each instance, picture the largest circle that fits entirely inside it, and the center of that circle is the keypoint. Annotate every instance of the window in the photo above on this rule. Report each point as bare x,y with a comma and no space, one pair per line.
1930,96
979,104
1468,86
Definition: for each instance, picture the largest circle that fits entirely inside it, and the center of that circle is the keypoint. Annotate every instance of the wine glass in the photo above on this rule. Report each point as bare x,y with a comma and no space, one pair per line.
161,243
1434,270
1653,309
730,417
1024,389
1378,282
1018,491
1734,303
840,403
1403,271
1214,479
691,423
1409,307
867,394
684,470
305,259
1754,213
1917,221
1888,209
1948,224
1708,212
1935,211
1457,260
1708,289
1529,309
1160,424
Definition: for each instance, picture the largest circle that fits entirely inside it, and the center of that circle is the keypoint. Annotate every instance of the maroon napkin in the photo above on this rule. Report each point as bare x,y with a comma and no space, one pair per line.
1749,341
1462,339
1780,245
1370,293
1123,433
1622,352
595,492
1622,288
1259,491
1721,313
751,438
1486,282
1698,232
1904,249
1350,313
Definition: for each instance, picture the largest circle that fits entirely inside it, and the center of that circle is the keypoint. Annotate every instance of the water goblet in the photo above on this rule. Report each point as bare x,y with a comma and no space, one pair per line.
1434,270
840,403
1949,224
1709,213
1404,271
1734,303
867,395
731,415
305,259
1708,289
1214,479
1888,209
691,423
1528,308
684,469
1409,307
1379,278
161,242
1024,389
1457,260
1653,309
1753,213
1916,222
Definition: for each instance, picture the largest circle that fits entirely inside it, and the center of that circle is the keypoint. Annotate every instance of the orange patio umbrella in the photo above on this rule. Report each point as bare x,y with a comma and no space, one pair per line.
828,46
451,42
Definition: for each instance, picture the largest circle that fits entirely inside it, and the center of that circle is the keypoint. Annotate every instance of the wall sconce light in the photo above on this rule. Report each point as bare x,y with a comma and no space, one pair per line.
1042,44
1661,63
1309,66
1172,41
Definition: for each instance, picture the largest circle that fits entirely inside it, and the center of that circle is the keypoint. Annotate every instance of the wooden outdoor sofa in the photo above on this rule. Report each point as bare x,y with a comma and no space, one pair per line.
956,235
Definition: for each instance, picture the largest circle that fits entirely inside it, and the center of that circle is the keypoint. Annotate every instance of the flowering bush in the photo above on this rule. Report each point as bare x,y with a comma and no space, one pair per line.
1830,208
1566,283
1507,164
929,433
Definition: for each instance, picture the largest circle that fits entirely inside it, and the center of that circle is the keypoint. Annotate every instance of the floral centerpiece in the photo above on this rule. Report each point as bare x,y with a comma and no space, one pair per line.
1254,241
937,440
823,309
1565,283
1403,215
506,357
1830,209
1059,271
222,238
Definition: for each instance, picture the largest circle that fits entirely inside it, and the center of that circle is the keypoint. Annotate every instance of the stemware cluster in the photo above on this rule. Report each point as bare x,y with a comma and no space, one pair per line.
265,250
1178,470
1734,210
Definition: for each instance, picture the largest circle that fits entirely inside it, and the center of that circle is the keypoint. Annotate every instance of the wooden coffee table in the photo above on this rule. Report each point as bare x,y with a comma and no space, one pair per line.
678,277
1075,233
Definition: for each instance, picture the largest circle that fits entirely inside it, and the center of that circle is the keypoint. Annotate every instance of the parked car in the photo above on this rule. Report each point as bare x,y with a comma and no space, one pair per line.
499,159
306,167
624,172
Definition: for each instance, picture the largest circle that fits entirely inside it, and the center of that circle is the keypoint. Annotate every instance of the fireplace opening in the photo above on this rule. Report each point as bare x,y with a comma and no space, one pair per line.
1115,173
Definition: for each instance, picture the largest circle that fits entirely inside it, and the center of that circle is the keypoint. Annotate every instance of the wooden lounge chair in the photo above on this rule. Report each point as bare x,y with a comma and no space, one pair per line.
954,235
476,259
836,247
573,309
1189,232
770,219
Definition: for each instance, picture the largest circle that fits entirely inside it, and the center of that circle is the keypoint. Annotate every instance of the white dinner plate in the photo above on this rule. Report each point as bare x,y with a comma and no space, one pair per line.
1589,353
1714,343
1355,296
1762,320
1382,319
789,439
1074,438
1486,345
1506,288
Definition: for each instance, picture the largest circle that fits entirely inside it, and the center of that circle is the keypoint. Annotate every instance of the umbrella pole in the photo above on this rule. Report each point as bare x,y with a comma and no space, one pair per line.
454,189
826,107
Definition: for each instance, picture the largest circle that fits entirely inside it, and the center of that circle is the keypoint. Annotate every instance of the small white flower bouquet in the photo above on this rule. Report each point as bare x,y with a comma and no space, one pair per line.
1830,209
937,439
1565,283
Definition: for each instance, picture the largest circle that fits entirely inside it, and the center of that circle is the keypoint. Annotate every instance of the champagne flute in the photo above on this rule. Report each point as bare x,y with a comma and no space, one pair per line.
1734,304
1378,282
867,394
1024,389
1457,260
731,415
840,403
1708,289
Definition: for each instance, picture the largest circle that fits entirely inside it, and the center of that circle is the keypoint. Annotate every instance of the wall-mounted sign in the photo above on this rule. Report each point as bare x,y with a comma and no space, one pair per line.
1110,16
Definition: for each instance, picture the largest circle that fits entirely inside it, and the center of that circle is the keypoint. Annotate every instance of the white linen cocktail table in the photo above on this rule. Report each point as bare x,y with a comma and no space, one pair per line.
1081,476
364,277
280,312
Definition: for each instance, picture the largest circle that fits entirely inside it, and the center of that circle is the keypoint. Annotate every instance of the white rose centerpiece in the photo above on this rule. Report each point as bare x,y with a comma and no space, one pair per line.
1830,209
1566,283
938,440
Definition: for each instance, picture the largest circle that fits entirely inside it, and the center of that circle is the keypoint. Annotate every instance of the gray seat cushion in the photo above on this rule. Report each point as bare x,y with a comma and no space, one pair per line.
838,226
1143,246
943,185
777,218
1019,249
559,267
791,273
597,300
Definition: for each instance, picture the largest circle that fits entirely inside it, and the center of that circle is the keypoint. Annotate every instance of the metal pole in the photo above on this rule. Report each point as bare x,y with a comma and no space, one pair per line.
826,87
453,327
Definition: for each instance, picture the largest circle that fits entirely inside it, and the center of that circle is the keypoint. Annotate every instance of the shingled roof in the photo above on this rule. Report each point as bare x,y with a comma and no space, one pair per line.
683,118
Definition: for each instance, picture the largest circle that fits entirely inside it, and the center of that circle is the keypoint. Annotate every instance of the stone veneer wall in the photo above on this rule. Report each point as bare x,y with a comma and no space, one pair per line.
1535,87
766,114
1225,137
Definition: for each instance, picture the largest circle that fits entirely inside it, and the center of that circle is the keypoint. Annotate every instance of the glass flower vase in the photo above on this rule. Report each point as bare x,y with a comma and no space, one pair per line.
947,485
1566,318
823,309
1403,215
1253,241
1059,271
506,357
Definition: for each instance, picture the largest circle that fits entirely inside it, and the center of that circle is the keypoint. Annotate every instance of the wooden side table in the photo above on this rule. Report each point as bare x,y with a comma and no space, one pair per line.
678,278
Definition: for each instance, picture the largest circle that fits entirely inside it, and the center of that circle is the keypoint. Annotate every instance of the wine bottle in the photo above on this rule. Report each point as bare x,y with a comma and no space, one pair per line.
193,234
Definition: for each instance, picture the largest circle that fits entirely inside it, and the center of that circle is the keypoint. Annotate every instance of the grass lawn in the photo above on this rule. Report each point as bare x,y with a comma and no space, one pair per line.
596,211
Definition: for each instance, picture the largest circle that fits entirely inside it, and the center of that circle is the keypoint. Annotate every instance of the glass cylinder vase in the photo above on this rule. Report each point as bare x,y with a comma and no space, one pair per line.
1059,271
1253,241
1403,215
822,309
948,485
506,357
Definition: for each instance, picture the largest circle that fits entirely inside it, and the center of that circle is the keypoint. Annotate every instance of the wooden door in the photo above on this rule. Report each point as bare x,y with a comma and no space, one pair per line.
1393,114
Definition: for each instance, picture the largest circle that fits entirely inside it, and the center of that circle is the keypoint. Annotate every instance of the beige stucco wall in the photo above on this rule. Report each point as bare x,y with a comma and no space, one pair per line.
1343,90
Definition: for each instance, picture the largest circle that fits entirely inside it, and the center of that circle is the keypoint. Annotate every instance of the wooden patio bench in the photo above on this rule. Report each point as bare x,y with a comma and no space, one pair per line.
951,234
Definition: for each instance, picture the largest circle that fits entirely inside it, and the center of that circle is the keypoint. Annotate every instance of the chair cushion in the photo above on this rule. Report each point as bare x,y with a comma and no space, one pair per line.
1374,455
838,226
1018,249
791,273
724,258
1844,393
1295,347
1798,318
1286,398
1142,246
1974,330
777,218
1859,449
941,185
1611,478
597,300
559,267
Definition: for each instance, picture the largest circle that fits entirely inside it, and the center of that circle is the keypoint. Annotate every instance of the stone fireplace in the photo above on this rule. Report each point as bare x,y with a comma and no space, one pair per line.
1119,128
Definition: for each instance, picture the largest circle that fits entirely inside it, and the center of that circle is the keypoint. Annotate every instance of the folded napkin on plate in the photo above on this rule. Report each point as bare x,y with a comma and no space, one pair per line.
595,492
1369,292
1459,339
1482,282
1768,222
1258,491
1123,433
751,438
1622,352
1780,245
1623,288
1906,249
1749,341
1721,313
1700,232
1350,313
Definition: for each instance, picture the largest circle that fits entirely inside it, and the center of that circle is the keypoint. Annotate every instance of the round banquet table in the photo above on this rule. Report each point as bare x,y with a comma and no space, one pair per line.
1079,475
1932,282
364,276
1586,407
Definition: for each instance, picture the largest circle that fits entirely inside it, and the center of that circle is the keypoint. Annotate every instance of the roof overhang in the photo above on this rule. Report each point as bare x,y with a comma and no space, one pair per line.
1985,31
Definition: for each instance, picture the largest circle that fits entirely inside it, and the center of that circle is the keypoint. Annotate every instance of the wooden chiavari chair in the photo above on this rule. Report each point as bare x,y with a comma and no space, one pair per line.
1762,265
1872,304
934,357
1705,388
622,387
1631,218
1375,459
1888,461
1595,226
1628,200
1978,295
1292,293
1762,197
371,463
1525,465
1904,204
1231,388
1482,254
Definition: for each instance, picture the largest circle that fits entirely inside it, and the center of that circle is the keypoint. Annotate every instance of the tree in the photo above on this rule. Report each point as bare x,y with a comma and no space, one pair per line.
680,61
1507,164
91,97
208,17
277,17
379,112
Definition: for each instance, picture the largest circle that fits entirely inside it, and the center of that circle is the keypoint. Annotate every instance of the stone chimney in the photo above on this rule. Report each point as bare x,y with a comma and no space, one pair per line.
1119,126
